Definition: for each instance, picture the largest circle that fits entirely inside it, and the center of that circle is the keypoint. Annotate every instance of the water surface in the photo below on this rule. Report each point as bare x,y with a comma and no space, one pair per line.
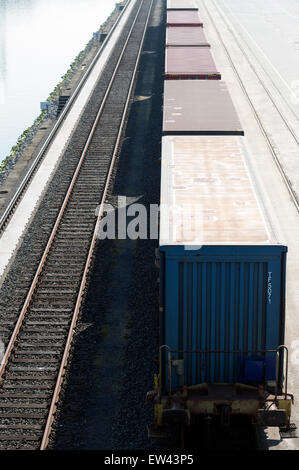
39,39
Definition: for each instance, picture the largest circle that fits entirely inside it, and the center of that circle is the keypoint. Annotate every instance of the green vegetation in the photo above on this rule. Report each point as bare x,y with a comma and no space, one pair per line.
21,140
52,97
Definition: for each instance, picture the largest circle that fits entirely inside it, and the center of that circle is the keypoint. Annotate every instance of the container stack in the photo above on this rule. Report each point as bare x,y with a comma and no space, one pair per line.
187,54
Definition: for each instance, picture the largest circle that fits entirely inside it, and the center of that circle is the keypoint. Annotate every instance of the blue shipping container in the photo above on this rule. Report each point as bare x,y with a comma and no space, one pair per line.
222,298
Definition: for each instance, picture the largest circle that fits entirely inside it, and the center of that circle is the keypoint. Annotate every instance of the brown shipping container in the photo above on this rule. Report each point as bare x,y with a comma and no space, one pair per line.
186,36
199,107
190,63
183,18
181,5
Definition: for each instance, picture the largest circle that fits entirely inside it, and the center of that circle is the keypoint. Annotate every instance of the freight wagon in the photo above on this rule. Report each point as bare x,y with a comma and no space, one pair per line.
222,288
222,269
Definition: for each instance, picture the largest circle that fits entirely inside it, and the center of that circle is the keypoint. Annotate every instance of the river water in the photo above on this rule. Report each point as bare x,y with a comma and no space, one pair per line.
39,39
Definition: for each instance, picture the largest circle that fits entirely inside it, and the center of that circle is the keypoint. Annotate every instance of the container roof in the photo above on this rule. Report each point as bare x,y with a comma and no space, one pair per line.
185,36
183,17
208,196
181,5
199,107
186,60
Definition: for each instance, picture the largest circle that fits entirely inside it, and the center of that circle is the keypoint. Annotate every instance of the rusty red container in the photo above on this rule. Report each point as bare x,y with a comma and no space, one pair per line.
183,18
186,36
190,63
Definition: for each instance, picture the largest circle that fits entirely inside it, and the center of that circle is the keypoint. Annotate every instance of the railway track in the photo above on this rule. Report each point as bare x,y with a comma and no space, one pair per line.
34,363
268,93
13,203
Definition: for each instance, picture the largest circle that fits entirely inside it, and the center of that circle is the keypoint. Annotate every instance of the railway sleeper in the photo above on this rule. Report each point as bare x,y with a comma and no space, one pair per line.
21,431
26,426
19,437
28,406
9,316
36,351
70,235
30,378
18,368
9,395
22,415
46,290
67,304
70,226
54,317
47,348
9,324
37,360
70,252
59,240
61,324
52,265
53,284
59,272
23,285
41,336
36,357
25,446
82,205
50,309
30,329
26,387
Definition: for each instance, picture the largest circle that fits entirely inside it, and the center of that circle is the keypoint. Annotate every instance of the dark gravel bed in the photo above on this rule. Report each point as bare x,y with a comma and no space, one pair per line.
116,339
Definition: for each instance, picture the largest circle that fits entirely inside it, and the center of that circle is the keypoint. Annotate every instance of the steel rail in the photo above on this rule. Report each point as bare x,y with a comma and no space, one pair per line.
61,212
256,115
61,373
19,192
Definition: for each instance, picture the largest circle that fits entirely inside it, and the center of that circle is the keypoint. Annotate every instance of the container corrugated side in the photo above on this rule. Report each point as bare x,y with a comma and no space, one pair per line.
221,298
185,36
